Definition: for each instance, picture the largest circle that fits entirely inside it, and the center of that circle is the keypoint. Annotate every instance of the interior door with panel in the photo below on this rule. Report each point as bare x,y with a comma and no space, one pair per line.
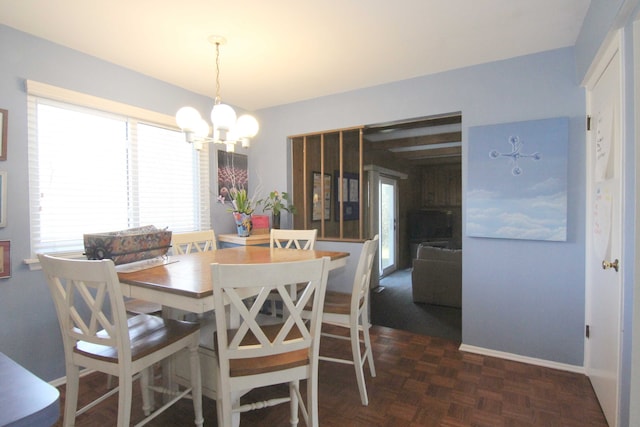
605,174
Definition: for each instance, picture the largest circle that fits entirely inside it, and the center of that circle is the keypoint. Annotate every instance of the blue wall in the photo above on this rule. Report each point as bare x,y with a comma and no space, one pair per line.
521,297
29,331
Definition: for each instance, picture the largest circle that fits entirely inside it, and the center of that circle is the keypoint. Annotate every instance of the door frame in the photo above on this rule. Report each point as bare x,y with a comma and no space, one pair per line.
612,50
388,180
374,172
634,392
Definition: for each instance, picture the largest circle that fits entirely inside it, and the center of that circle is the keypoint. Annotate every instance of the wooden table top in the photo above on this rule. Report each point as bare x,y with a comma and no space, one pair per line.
190,275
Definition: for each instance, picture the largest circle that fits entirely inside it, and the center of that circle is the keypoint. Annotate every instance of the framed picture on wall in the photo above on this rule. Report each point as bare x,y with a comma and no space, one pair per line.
350,196
4,118
3,199
233,172
5,259
518,170
316,201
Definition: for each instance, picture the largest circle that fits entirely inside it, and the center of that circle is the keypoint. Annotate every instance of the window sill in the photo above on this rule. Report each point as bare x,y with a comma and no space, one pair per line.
34,263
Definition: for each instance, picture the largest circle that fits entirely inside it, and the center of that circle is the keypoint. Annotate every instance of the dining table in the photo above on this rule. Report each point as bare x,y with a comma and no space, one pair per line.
183,282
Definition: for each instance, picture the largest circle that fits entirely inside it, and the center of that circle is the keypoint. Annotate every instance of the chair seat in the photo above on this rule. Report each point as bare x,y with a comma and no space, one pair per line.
266,364
138,306
337,303
147,334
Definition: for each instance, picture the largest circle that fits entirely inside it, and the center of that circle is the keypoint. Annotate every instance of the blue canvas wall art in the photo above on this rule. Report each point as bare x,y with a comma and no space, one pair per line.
517,183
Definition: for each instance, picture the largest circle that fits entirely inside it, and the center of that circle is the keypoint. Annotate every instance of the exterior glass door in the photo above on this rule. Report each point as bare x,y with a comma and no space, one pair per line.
387,226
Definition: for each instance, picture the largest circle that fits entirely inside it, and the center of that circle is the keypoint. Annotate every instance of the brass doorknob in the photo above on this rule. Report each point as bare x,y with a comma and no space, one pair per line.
607,264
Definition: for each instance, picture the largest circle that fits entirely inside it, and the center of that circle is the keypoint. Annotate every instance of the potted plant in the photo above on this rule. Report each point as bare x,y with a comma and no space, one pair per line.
242,206
276,203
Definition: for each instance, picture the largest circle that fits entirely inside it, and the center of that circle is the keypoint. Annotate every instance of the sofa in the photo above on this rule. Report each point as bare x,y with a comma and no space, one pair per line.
437,276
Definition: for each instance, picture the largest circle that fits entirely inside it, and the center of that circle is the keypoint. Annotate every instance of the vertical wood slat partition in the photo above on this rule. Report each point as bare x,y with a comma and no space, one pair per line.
340,188
335,154
322,184
361,186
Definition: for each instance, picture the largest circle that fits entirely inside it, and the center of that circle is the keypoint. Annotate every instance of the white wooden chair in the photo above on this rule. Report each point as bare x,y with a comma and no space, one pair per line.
195,241
289,239
181,243
98,335
191,242
351,310
292,239
252,355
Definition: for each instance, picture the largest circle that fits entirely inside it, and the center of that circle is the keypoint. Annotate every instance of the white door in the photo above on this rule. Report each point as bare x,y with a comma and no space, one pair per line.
388,226
604,239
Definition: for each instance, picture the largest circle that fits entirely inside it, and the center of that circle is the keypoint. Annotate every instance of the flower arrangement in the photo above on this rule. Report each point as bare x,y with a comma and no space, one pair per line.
240,201
277,202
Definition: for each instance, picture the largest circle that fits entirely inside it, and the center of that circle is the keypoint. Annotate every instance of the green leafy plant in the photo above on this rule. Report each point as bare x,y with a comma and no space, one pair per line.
240,201
277,202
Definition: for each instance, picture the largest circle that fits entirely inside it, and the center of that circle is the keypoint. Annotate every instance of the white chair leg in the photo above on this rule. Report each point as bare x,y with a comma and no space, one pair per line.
109,382
367,344
234,402
124,400
145,391
293,394
196,383
219,409
71,397
357,362
312,400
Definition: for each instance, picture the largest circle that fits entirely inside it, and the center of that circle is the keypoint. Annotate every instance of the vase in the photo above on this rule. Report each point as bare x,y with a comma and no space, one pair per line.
275,220
243,223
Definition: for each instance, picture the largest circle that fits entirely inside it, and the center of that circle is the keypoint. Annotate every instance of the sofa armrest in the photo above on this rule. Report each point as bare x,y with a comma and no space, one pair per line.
437,282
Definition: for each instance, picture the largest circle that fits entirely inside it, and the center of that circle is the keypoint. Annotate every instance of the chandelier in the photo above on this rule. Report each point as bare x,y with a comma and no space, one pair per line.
226,128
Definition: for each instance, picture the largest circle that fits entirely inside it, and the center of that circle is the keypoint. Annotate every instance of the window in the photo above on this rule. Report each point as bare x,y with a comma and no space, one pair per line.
94,170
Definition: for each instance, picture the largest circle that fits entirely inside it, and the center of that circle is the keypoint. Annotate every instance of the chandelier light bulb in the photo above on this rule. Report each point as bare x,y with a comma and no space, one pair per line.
187,118
247,126
202,129
223,117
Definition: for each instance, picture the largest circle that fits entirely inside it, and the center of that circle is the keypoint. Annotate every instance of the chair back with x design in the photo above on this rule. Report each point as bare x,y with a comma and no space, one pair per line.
292,239
251,354
195,241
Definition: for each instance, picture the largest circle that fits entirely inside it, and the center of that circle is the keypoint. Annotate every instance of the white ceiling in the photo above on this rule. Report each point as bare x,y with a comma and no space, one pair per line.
282,51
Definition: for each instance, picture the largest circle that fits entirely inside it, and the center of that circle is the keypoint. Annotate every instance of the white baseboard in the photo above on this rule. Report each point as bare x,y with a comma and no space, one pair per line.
523,359
63,380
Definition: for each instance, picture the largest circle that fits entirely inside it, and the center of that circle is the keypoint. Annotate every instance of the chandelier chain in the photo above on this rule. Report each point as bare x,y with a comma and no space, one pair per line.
217,100
228,129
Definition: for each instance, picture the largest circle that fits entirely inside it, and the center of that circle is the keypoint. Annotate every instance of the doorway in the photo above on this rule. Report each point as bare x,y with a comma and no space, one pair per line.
428,151
388,225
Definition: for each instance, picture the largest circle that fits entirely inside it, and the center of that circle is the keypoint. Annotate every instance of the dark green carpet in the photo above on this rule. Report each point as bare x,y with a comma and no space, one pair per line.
394,308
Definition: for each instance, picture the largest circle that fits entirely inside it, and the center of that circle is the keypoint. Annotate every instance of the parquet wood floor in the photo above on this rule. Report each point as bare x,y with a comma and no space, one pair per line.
421,381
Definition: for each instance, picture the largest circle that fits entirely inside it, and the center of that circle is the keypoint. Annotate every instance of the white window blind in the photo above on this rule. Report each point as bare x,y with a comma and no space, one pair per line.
92,170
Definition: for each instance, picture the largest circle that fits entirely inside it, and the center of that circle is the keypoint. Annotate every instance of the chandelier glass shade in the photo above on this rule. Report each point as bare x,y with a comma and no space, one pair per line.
228,129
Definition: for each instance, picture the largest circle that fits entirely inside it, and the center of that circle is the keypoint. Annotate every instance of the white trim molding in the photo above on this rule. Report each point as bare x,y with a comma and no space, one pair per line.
523,359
